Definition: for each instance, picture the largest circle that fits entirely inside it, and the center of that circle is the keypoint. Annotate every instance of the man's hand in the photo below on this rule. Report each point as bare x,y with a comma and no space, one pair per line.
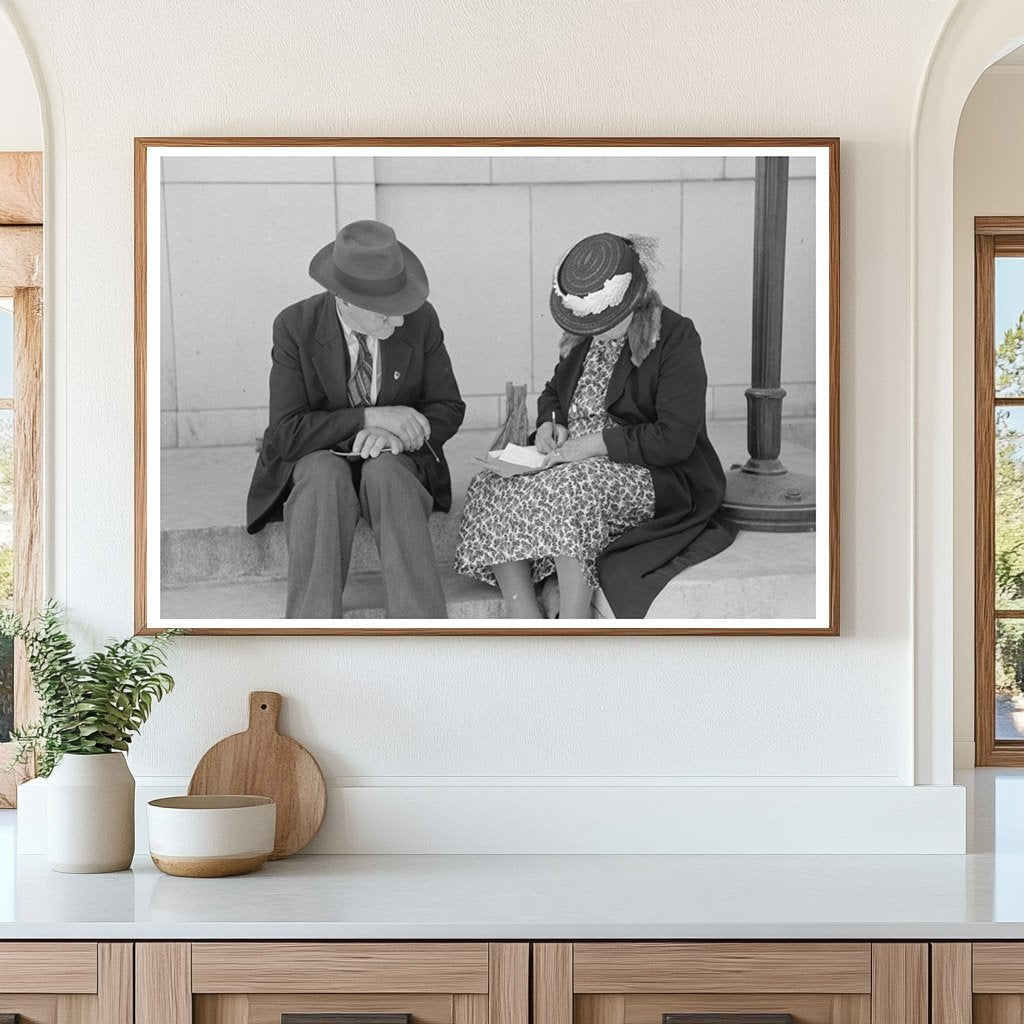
550,436
371,441
404,422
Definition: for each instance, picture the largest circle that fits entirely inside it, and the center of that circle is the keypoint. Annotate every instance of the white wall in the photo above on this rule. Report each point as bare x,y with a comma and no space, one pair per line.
987,182
21,127
453,713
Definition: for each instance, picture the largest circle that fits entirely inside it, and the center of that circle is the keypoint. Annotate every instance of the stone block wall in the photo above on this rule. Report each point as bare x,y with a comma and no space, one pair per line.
239,231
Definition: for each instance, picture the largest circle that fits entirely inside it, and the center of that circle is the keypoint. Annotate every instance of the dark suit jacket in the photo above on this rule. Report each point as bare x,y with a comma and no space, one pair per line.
658,409
309,407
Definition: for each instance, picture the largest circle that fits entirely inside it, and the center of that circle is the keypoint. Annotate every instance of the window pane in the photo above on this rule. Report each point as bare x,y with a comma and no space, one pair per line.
1009,679
6,349
1009,508
6,690
6,567
1009,317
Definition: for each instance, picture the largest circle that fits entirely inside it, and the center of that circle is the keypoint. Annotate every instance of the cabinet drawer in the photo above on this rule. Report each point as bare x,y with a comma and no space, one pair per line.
730,983
66,982
998,967
332,983
66,967
340,967
634,967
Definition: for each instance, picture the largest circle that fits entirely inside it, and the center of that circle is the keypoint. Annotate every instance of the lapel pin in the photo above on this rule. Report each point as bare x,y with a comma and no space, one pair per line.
397,374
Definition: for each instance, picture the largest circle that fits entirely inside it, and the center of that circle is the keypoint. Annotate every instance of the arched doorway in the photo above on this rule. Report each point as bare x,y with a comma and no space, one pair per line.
989,446
977,33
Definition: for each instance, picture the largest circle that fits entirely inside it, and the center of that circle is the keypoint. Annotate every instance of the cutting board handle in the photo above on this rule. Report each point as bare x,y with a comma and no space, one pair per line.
264,710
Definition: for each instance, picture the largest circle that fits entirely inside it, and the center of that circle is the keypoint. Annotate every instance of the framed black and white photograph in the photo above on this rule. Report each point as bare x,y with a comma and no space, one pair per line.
442,386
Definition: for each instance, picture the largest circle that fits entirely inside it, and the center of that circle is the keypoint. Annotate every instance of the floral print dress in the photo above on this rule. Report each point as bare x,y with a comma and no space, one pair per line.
574,509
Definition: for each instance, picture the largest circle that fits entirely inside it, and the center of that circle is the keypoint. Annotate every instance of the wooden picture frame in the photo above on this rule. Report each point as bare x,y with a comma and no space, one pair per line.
166,225
993,237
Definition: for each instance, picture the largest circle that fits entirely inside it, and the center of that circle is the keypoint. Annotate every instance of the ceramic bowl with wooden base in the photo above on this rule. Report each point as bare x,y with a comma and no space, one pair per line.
211,836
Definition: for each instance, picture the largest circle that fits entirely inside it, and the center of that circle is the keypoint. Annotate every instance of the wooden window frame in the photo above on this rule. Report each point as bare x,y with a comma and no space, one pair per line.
993,236
21,278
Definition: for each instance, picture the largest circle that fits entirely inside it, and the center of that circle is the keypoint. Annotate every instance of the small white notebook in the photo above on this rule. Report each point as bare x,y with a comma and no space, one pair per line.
514,460
519,455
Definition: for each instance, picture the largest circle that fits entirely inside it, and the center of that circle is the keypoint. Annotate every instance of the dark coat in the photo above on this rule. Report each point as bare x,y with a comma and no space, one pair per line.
658,411
309,407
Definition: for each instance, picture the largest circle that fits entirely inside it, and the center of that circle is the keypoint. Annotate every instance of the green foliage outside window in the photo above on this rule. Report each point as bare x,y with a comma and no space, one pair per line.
1010,362
1009,656
6,575
1009,510
6,688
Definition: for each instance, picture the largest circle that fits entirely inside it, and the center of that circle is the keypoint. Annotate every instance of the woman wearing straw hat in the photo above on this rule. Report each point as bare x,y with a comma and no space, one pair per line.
631,483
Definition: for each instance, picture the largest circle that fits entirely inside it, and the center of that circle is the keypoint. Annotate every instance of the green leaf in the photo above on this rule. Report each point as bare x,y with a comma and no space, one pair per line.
89,705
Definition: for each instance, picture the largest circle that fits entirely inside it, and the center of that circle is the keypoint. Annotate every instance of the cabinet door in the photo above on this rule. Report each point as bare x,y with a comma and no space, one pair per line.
981,982
730,983
332,983
66,983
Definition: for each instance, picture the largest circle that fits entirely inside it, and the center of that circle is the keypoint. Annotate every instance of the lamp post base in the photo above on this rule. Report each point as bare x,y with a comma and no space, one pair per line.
776,503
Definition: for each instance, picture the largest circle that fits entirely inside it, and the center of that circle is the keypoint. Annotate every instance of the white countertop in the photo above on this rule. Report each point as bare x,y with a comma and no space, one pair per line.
977,896
517,897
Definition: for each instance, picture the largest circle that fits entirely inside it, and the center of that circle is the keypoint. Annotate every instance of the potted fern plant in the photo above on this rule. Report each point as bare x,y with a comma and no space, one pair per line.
90,707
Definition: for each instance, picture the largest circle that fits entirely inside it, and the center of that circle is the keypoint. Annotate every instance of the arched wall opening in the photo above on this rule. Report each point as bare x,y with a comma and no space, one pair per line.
989,151
975,36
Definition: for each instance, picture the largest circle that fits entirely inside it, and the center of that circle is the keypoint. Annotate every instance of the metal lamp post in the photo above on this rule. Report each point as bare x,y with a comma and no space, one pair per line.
762,494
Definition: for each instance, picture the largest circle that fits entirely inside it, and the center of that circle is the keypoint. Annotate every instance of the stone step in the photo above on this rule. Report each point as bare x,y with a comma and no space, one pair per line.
203,506
214,554
759,576
364,599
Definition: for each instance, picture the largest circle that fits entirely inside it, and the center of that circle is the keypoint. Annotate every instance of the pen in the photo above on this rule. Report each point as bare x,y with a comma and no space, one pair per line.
553,425
356,455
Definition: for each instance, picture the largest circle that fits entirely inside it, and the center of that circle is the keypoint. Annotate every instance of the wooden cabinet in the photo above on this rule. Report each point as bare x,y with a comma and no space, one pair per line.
264,982
66,982
979,982
755,982
494,983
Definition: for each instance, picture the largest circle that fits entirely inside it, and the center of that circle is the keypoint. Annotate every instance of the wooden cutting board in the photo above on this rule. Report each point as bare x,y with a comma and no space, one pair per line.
262,762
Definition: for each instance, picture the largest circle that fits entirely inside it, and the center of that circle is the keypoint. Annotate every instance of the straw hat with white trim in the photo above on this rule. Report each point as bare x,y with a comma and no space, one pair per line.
597,285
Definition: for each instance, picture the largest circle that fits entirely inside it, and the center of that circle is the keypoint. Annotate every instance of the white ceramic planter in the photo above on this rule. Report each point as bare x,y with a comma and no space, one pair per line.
90,814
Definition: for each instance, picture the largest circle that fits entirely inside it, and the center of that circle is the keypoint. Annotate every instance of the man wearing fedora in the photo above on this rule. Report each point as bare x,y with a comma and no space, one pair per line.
362,400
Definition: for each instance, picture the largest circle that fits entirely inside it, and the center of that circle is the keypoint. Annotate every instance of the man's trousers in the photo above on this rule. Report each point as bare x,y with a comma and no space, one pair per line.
328,498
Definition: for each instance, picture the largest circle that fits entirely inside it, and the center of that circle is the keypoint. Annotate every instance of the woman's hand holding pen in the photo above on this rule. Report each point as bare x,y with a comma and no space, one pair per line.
550,436
590,446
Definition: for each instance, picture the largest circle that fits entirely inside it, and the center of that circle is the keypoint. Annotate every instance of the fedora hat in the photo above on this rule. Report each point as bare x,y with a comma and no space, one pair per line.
367,266
597,284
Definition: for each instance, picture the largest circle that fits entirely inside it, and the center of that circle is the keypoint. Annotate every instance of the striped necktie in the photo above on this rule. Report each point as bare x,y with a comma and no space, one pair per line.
360,383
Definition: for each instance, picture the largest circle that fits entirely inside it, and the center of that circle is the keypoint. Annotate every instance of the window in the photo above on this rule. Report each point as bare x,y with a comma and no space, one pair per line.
6,510
999,490
20,500
21,363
